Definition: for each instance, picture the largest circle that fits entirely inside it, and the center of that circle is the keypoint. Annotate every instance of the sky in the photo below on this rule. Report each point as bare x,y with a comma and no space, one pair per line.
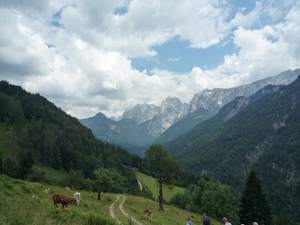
107,56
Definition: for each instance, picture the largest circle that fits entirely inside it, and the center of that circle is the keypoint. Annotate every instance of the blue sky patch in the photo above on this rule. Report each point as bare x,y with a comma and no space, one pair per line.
178,56
121,10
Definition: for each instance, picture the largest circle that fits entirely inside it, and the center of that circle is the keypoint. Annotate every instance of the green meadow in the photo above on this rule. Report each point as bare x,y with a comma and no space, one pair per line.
152,185
25,203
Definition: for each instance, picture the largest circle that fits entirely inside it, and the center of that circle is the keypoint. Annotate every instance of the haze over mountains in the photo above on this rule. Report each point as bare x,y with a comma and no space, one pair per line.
145,124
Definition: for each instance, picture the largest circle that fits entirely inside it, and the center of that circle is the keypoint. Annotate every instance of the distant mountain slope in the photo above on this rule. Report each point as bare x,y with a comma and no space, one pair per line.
216,98
158,124
264,135
180,144
127,132
185,124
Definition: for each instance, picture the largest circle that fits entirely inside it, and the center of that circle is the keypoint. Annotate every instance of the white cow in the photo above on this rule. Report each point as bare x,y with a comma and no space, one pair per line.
46,191
77,197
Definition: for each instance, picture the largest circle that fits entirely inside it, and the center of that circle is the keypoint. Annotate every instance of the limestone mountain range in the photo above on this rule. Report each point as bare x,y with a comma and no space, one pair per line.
145,123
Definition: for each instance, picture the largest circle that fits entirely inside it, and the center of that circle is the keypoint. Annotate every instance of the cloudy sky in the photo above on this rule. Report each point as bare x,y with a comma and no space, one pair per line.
109,55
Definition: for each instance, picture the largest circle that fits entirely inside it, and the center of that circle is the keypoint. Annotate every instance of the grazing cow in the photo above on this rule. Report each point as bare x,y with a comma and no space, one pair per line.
147,214
64,200
67,188
47,191
77,198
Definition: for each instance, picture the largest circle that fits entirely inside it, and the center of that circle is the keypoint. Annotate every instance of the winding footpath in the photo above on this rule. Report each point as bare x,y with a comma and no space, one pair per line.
112,214
111,211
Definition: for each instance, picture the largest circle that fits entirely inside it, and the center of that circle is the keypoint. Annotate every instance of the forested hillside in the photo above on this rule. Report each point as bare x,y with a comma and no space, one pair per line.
34,130
40,142
264,135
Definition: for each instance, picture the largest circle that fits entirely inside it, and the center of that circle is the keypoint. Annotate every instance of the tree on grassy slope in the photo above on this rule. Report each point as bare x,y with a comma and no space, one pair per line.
163,168
106,179
254,205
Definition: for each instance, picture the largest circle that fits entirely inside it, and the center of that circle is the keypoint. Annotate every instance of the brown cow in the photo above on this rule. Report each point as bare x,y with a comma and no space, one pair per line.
147,214
64,200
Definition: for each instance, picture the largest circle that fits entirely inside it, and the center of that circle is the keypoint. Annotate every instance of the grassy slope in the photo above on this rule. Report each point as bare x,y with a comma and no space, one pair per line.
171,215
26,200
150,182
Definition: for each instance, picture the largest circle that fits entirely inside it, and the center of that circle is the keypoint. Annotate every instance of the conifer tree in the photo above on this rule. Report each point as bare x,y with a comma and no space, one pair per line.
254,205
56,161
1,165
10,167
25,164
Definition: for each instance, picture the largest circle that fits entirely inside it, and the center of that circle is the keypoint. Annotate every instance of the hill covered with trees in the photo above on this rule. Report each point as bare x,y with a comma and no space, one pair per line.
263,135
36,134
42,143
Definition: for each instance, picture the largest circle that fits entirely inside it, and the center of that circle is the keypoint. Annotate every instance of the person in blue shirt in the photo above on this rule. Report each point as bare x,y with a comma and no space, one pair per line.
188,221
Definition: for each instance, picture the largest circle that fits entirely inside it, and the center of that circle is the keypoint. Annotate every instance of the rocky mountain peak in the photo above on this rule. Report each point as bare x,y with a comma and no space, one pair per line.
171,110
173,105
141,113
216,98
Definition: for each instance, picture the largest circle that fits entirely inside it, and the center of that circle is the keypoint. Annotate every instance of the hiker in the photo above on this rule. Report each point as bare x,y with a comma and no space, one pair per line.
225,221
206,220
188,221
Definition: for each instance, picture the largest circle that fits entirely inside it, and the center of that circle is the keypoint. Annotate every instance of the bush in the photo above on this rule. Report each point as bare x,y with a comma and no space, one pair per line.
37,175
97,220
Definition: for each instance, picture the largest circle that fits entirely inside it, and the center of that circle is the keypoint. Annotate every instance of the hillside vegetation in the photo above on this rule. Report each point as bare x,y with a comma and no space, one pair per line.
36,136
264,136
151,183
26,203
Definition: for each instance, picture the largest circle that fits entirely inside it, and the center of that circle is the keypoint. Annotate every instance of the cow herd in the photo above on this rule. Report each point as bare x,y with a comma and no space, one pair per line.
64,200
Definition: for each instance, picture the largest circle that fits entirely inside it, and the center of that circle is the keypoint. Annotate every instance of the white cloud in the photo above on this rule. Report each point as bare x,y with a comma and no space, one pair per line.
84,66
247,20
173,59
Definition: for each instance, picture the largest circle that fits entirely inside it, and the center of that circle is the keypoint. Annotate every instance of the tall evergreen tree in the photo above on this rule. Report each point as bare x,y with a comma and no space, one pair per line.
25,164
10,167
56,161
1,165
29,162
254,205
